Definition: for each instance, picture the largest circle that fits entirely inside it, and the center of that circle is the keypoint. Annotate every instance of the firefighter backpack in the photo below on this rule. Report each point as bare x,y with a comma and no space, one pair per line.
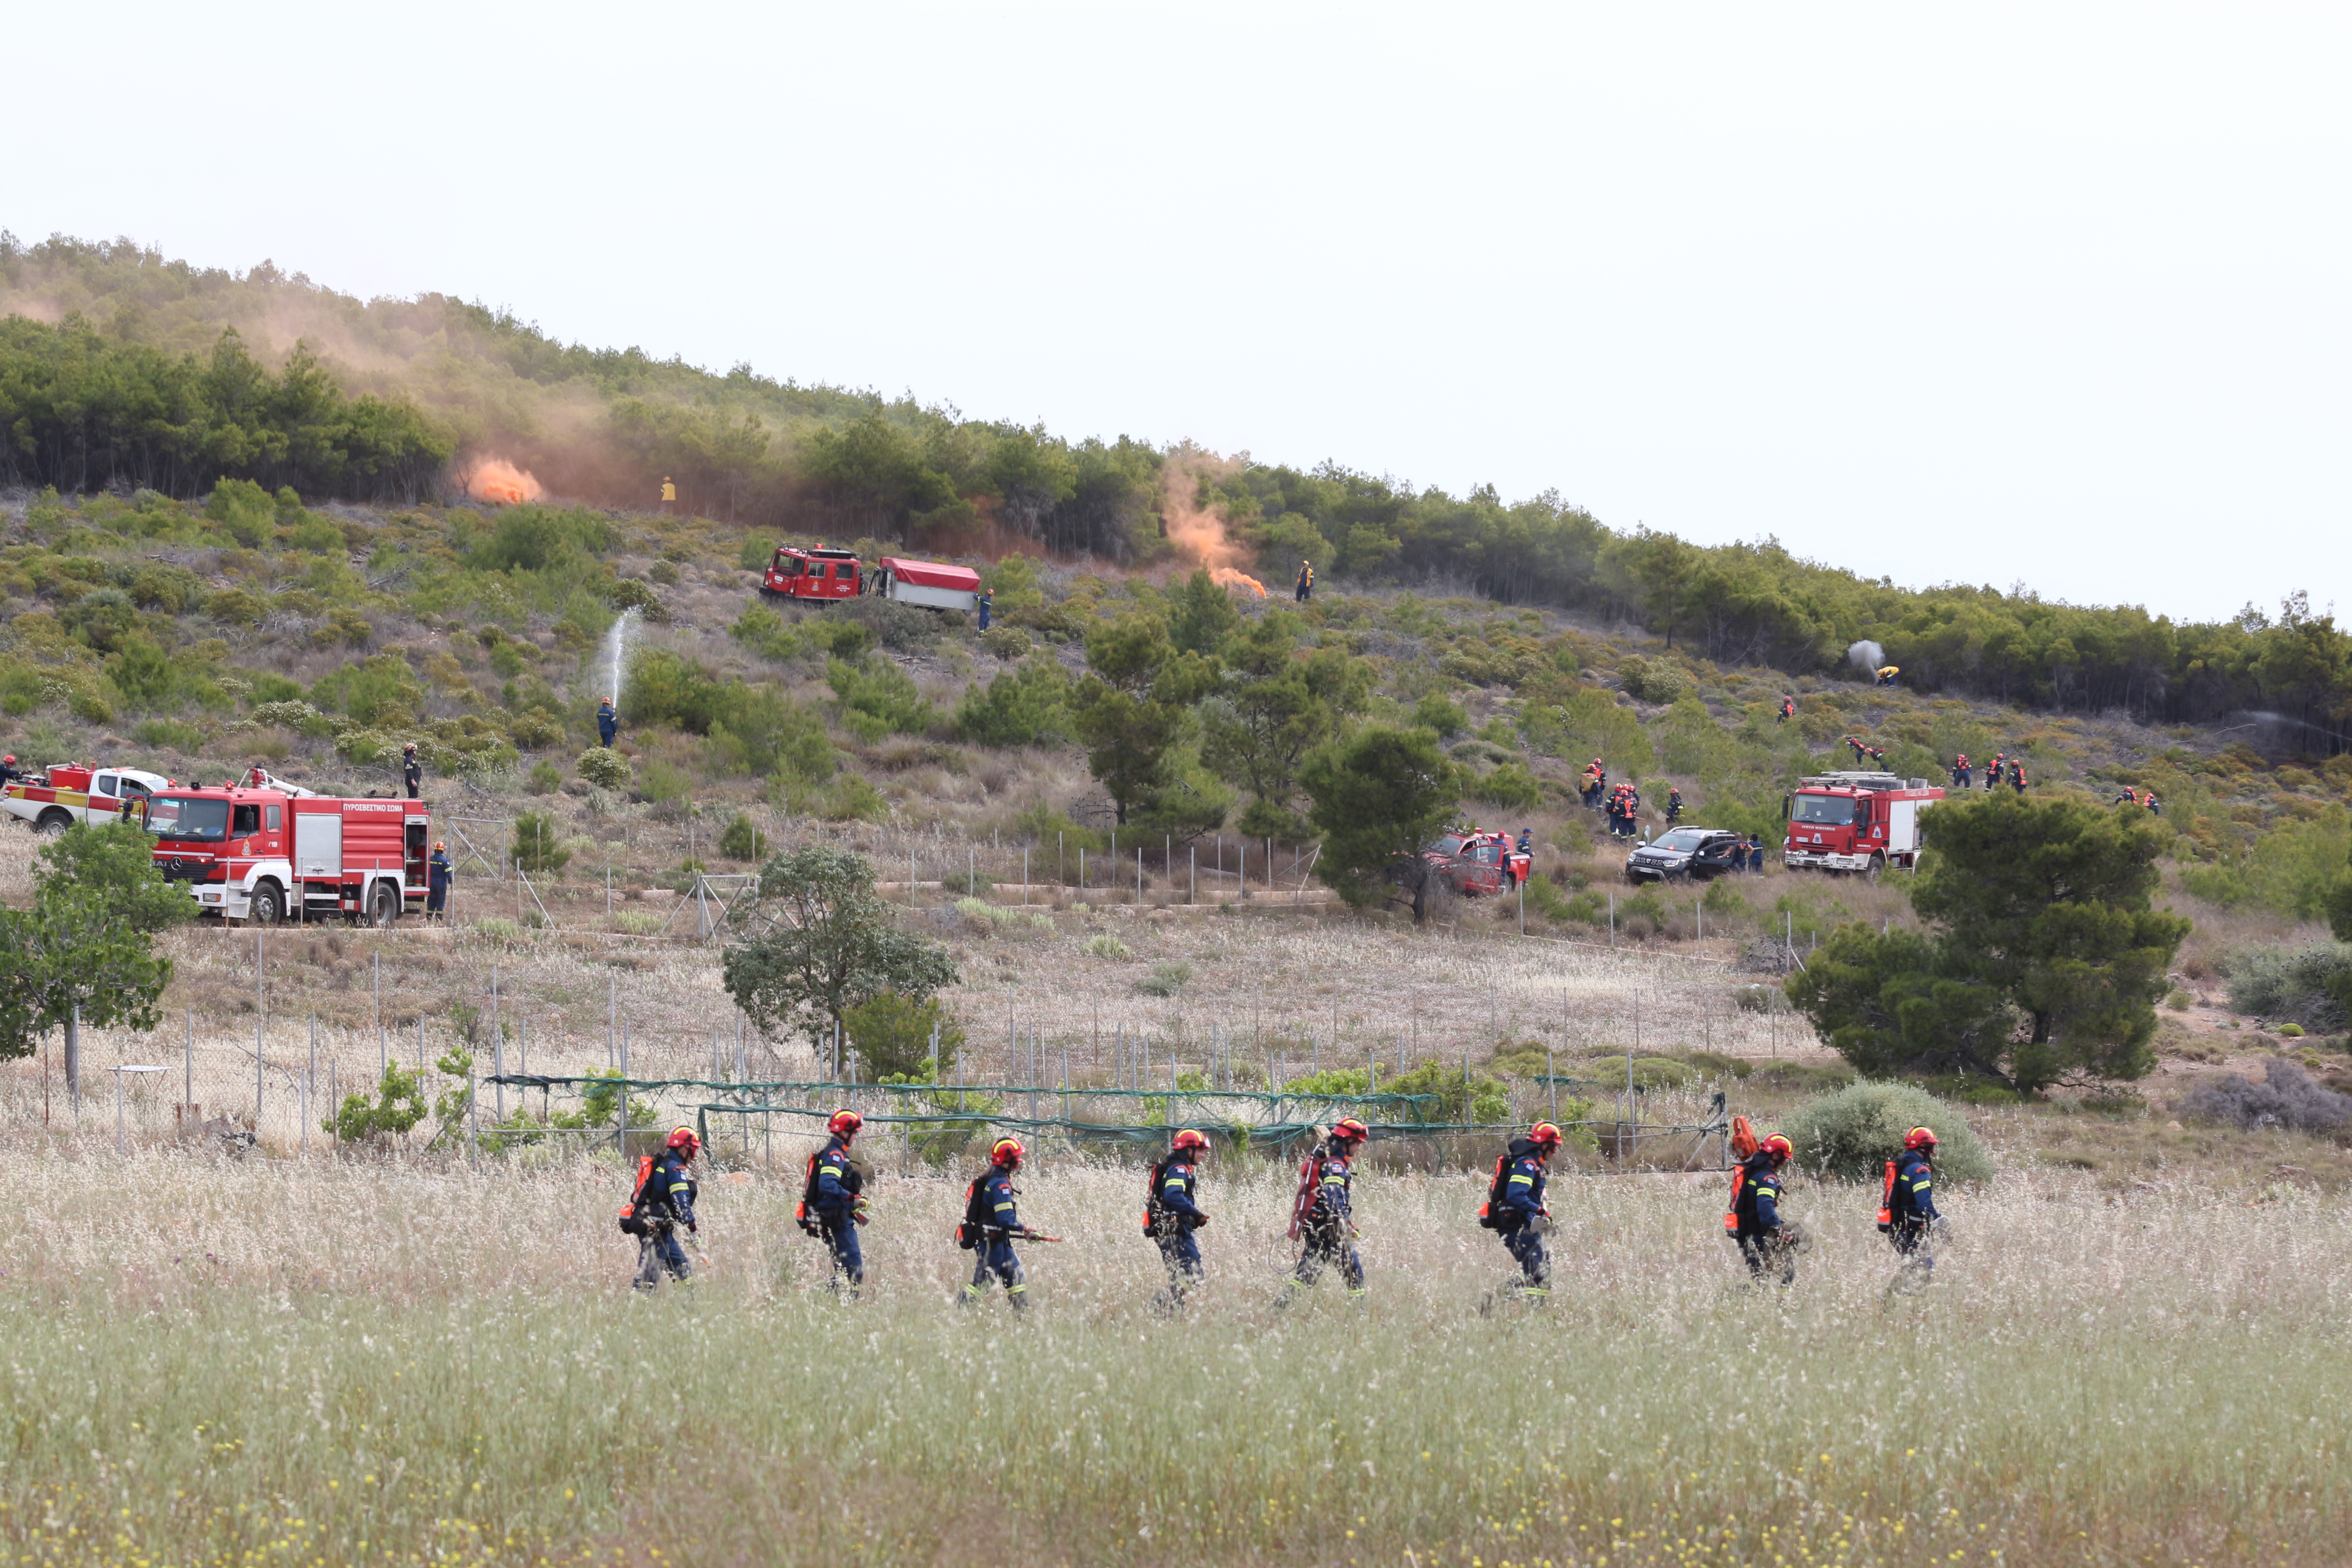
970,1234
808,1195
1489,1211
1887,1200
630,1225
1743,1138
1152,1199
1304,1200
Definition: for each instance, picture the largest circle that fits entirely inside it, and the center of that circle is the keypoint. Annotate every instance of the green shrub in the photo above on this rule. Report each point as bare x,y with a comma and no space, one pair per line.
662,783
1510,786
979,913
1649,1072
1441,715
893,1036
1108,946
877,698
399,1105
1459,1097
968,881
2307,985
1006,642
743,841
600,765
1851,1135
1661,680
1165,979
172,732
545,779
538,843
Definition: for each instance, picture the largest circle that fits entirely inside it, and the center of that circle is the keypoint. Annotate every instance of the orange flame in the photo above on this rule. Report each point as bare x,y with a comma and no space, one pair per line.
495,481
1198,531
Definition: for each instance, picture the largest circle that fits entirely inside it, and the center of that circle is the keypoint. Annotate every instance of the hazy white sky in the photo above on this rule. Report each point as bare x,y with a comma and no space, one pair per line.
1993,293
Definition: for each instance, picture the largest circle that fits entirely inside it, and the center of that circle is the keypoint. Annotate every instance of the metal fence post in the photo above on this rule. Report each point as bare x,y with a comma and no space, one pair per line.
497,1045
188,1094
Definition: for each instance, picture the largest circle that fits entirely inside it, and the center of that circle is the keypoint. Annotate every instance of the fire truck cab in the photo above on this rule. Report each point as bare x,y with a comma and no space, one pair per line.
821,576
275,852
1856,822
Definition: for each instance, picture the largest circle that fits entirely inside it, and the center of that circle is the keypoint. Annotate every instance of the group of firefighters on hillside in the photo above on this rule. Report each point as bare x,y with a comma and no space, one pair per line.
833,1204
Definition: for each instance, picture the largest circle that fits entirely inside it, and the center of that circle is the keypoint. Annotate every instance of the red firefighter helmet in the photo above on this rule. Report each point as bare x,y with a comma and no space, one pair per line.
1350,1130
1544,1135
1006,1151
1778,1145
1189,1139
1919,1137
844,1124
683,1139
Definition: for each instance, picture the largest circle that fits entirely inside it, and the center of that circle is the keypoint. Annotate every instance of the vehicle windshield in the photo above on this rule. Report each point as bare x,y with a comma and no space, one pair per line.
1825,810
787,566
203,821
1684,839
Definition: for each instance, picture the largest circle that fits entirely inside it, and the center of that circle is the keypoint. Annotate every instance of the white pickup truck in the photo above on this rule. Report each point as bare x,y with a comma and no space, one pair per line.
64,793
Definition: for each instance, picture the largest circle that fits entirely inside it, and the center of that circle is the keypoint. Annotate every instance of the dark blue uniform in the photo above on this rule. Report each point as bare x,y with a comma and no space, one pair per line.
437,883
999,1221
1758,1225
1911,1205
1175,1216
987,602
1521,1202
668,1196
1330,1227
835,1203
608,723
412,774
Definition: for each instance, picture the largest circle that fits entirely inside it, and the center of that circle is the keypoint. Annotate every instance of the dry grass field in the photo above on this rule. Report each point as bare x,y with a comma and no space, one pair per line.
277,1360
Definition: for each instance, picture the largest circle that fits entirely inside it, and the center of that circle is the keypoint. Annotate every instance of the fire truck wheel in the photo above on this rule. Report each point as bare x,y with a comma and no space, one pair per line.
384,905
1877,863
52,823
268,906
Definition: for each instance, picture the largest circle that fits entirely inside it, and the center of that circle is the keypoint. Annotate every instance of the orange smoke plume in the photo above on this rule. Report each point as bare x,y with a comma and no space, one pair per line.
1197,532
495,481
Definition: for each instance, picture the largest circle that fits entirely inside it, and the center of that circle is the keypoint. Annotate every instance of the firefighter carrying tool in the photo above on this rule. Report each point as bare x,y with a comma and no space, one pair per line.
1768,1243
1323,1214
663,1201
1514,1207
991,1223
1172,1213
1906,1212
833,1202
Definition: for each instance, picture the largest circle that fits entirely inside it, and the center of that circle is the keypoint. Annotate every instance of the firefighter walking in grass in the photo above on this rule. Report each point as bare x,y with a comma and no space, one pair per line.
832,1203
1172,1213
1514,1207
1907,1211
990,1221
664,1201
1768,1242
1324,1214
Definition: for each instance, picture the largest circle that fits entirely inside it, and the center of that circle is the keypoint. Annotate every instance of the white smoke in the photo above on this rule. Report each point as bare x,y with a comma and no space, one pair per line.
1865,656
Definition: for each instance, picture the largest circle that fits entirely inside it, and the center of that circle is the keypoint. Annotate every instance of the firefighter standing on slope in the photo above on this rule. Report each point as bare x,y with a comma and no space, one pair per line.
834,1193
1306,580
437,872
1908,1207
991,1222
1328,1226
1768,1243
1514,1207
664,1201
608,723
1172,1213
1674,805
412,772
1961,778
1788,709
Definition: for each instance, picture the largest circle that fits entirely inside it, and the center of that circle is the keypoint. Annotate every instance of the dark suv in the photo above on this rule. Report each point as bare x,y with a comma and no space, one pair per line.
1687,852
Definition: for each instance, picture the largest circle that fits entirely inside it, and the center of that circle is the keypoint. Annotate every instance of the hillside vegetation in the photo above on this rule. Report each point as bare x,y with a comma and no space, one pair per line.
121,368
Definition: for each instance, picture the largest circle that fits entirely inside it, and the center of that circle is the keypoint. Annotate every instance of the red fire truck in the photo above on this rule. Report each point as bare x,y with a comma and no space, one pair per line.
1856,822
818,575
267,851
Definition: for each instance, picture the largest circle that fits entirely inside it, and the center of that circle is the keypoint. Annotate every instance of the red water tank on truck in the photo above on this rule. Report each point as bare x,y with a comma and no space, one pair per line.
268,851
1856,822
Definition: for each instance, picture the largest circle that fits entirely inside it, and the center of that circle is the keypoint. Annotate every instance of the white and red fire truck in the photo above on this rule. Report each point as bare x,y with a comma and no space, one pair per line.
1856,822
265,851
65,794
820,576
